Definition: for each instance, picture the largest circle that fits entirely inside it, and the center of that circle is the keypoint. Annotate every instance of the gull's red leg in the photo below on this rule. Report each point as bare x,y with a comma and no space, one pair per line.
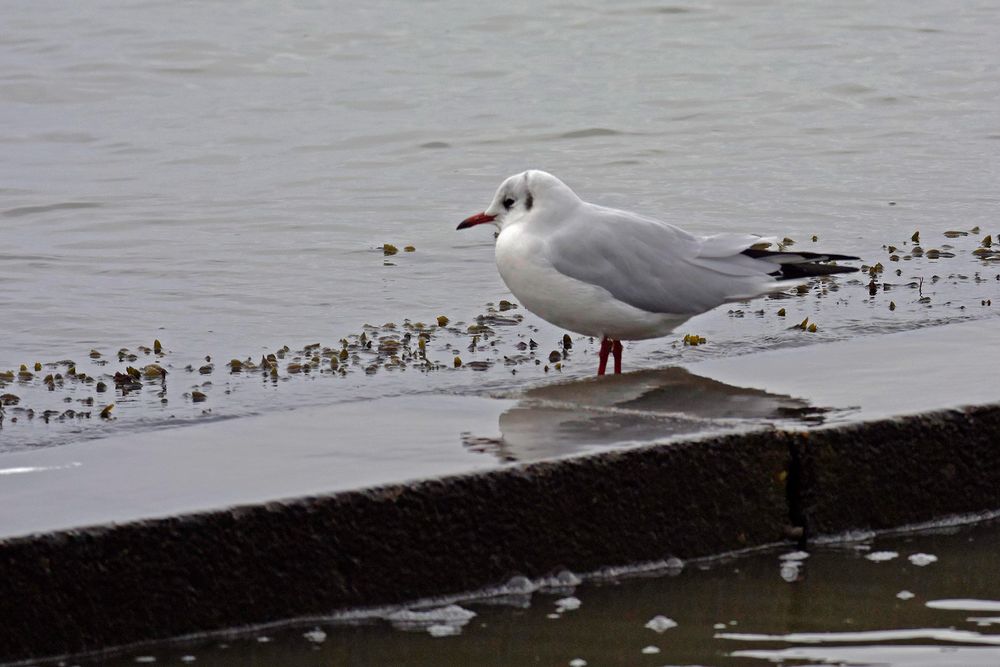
618,357
606,345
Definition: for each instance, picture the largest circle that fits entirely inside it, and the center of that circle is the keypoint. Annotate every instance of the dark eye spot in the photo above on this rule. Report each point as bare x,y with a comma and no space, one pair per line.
508,202
529,201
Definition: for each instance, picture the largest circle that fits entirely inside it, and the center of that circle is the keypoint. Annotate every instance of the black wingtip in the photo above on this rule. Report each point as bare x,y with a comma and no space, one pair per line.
808,270
804,264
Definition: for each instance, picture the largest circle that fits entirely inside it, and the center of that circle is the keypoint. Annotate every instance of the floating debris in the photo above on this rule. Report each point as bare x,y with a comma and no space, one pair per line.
892,305
442,320
9,399
409,248
316,636
815,238
458,362
506,305
157,347
812,328
922,560
568,604
661,624
106,411
694,340
389,249
781,312
952,234
916,237
987,241
198,397
554,356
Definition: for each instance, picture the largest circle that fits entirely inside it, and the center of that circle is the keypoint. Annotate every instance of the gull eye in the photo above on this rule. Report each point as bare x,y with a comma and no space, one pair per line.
508,202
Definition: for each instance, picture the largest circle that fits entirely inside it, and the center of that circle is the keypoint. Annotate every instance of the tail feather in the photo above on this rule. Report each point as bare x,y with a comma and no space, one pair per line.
802,264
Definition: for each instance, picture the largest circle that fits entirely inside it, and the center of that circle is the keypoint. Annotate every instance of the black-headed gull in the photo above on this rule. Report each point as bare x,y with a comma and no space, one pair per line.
621,276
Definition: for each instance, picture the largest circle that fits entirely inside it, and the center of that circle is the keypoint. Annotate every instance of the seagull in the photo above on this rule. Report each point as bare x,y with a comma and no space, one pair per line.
616,275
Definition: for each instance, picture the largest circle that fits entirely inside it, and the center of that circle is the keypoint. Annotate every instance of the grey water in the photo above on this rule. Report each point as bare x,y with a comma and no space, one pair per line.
904,600
222,177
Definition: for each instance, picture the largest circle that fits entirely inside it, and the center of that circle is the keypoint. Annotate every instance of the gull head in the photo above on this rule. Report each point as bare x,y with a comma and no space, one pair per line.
524,197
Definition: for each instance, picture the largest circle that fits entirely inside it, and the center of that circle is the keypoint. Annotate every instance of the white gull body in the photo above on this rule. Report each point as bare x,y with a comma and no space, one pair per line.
612,274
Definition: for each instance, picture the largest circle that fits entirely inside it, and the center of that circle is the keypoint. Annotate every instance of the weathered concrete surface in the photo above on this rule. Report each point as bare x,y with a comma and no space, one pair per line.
88,589
896,472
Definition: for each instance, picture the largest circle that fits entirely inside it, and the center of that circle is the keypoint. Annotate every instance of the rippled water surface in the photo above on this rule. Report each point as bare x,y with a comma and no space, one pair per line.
222,176
910,600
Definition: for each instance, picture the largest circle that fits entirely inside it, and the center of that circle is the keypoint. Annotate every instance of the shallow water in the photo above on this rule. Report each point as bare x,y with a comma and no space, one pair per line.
223,178
895,601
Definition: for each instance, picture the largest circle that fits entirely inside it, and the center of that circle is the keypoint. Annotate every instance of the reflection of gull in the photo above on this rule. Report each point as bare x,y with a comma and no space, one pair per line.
620,276
643,407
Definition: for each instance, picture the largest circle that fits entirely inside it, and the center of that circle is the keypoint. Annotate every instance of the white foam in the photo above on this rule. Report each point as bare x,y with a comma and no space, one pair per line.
923,560
914,656
794,556
965,604
145,658
443,630
519,585
577,662
661,624
188,658
568,604
450,615
790,570
651,650
315,635
882,556
565,579
935,634
983,621
905,595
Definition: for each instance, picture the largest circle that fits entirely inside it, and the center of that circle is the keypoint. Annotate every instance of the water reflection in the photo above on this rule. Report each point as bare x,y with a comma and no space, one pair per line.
630,409
731,612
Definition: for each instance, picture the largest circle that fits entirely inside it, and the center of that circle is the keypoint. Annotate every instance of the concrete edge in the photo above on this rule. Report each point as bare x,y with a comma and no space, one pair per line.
86,590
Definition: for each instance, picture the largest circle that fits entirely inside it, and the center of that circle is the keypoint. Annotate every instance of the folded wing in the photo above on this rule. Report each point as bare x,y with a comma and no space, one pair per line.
657,267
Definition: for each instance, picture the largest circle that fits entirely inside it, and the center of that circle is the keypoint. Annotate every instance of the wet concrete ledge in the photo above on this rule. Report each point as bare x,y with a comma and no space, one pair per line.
89,589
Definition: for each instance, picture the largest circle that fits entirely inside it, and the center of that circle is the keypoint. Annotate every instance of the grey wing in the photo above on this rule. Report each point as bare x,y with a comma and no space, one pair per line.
657,267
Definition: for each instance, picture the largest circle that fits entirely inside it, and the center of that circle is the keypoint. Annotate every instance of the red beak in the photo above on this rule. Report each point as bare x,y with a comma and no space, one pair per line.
477,219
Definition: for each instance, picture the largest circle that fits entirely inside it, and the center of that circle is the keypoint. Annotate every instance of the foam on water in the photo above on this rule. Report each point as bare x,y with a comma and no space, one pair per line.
964,605
660,624
922,560
883,656
568,604
946,635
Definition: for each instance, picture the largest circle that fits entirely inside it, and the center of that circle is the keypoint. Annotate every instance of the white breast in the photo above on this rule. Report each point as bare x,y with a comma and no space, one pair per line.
566,302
